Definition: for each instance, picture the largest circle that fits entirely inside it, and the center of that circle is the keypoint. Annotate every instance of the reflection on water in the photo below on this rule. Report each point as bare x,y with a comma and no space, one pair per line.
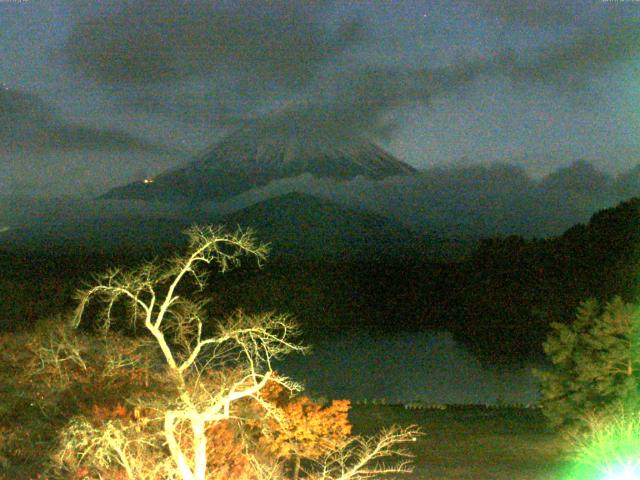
426,366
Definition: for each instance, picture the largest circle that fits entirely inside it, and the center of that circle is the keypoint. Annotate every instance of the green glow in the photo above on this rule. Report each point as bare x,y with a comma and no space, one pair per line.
611,451
624,472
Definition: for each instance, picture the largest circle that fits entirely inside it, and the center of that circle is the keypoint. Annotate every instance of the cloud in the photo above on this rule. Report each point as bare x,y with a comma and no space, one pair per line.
363,101
590,37
228,64
246,57
367,98
27,123
531,12
150,41
585,55
578,177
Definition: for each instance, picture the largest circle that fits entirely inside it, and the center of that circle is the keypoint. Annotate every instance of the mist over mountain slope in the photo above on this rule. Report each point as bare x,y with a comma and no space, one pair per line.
460,203
469,202
352,269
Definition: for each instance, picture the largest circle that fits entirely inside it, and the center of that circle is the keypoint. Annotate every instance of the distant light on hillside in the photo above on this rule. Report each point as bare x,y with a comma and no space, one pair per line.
148,180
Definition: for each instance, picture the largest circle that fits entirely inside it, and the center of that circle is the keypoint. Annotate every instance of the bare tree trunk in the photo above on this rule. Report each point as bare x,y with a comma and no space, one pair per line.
199,448
176,452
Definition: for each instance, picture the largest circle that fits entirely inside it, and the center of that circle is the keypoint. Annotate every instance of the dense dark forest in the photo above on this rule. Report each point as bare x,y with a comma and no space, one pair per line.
498,301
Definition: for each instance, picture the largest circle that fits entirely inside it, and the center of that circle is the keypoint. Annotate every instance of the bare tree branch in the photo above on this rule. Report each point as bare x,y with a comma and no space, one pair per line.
362,459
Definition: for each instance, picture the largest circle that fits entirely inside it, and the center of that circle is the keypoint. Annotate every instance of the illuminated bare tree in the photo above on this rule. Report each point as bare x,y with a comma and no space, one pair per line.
207,374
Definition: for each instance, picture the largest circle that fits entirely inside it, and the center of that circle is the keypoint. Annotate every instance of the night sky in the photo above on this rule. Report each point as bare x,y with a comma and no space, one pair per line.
96,94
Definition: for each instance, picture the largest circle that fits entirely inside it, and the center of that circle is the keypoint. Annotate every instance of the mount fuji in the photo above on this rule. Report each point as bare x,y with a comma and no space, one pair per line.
254,156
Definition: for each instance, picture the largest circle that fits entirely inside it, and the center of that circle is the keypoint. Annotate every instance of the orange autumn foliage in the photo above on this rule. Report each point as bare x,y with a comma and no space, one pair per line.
225,455
309,429
103,413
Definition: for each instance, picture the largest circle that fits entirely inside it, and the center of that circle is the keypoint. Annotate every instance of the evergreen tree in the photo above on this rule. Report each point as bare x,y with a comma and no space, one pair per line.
595,364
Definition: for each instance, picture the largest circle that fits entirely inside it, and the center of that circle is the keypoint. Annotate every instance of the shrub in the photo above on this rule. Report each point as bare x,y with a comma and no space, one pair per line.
307,429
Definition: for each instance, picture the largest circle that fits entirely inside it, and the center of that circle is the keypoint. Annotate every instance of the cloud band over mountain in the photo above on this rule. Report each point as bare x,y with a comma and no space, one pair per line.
29,124
253,60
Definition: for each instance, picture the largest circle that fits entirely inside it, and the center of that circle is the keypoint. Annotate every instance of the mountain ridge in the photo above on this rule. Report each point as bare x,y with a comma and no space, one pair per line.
252,157
299,224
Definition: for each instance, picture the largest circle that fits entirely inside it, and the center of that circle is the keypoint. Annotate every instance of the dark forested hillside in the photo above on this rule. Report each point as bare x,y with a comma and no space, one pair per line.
304,226
512,289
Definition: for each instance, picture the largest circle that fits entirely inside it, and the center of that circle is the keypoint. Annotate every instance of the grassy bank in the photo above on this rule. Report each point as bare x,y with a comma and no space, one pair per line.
473,443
